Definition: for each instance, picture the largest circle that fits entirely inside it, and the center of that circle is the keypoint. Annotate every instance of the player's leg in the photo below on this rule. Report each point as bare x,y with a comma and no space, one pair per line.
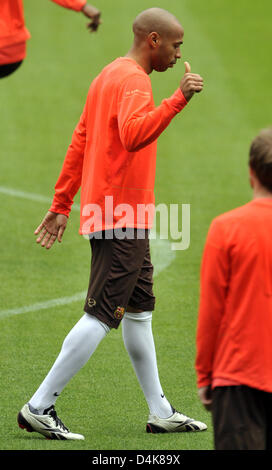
78,346
39,414
239,418
139,342
138,336
269,421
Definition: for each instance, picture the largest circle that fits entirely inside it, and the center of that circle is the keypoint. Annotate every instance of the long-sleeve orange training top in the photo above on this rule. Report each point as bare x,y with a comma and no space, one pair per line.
234,332
13,32
112,155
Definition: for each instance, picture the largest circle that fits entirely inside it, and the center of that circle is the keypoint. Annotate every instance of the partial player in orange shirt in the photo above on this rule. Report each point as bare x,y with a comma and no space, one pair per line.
14,34
113,155
234,347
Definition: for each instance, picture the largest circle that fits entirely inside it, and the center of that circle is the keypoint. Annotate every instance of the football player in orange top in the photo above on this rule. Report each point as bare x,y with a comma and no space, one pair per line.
234,349
113,155
14,34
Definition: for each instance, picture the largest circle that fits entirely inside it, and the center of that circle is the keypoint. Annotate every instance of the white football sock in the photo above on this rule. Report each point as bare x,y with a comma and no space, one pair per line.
139,342
77,348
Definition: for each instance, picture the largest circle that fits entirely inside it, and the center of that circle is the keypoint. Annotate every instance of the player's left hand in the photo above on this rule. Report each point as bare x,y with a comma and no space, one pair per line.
191,83
94,14
205,397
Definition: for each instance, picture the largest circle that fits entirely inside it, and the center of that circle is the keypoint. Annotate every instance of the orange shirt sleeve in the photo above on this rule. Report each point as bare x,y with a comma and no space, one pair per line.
140,123
69,180
71,4
214,279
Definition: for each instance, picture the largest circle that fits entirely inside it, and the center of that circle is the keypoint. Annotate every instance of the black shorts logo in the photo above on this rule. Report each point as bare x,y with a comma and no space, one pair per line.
119,313
91,302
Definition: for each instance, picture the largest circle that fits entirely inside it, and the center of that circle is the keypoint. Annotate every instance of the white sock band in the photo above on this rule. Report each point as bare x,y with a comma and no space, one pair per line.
76,350
142,316
139,343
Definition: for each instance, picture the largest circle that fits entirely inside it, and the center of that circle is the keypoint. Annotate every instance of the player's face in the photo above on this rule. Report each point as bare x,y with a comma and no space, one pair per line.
168,50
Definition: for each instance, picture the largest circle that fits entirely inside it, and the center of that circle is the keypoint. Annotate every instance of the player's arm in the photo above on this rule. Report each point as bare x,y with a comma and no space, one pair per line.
214,281
54,223
139,123
94,15
88,10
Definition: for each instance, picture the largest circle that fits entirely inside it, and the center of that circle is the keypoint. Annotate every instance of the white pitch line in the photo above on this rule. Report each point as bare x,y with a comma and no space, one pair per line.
161,253
30,196
43,305
163,257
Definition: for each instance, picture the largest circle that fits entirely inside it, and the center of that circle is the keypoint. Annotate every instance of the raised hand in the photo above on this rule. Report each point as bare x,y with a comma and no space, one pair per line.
94,14
191,83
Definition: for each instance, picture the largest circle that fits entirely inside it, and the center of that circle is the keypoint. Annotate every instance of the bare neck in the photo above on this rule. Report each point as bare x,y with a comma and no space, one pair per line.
259,192
139,55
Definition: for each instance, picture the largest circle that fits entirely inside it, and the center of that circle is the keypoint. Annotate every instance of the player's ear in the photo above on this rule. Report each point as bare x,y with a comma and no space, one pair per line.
154,39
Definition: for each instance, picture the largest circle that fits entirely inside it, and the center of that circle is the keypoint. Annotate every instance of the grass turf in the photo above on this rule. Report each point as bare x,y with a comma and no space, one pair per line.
202,160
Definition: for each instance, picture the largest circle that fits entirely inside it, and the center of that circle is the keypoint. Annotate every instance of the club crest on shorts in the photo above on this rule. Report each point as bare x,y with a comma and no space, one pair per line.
119,312
91,302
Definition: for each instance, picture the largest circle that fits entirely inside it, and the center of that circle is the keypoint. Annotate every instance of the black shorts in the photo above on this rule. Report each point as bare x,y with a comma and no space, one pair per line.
242,418
121,276
8,69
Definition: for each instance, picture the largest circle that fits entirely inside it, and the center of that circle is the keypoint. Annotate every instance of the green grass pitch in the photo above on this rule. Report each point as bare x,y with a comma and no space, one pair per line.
202,161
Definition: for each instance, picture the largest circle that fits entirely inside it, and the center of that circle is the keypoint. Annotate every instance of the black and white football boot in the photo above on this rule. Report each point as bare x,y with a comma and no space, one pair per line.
177,422
47,424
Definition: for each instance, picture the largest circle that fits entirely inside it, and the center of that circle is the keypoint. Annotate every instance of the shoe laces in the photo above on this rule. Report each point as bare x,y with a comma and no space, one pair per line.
52,412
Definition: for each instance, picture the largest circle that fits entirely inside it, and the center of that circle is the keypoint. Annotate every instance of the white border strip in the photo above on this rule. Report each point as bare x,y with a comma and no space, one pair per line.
30,196
43,305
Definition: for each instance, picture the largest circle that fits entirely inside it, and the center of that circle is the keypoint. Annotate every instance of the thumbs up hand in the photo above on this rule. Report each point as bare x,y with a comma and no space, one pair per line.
191,83
187,67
